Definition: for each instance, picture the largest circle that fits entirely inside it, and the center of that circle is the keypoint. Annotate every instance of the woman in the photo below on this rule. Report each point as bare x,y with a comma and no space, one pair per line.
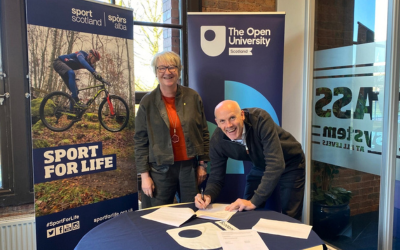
171,137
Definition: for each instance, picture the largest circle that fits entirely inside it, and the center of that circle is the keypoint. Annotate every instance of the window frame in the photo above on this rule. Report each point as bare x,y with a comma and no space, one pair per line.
16,149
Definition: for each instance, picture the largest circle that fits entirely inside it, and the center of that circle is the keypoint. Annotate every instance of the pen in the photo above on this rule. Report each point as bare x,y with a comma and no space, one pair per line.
202,194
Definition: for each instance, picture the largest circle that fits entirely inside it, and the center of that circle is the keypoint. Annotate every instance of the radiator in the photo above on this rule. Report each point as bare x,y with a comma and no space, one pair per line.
18,233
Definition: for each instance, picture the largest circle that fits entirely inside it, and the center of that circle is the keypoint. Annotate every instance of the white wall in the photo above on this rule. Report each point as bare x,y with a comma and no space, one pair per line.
292,102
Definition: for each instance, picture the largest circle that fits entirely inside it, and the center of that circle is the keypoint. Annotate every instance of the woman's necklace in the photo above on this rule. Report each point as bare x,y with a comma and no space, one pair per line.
174,137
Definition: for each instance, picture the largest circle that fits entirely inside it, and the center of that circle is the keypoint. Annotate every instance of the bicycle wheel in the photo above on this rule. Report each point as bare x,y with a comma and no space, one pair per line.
56,111
114,117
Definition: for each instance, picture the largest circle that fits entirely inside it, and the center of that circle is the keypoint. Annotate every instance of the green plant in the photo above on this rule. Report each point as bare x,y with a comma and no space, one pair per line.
322,190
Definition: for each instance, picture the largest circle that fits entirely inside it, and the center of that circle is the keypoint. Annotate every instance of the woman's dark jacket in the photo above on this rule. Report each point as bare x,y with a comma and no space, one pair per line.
152,138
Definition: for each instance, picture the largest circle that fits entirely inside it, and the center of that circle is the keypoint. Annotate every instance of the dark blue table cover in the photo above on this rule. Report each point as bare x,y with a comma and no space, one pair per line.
130,231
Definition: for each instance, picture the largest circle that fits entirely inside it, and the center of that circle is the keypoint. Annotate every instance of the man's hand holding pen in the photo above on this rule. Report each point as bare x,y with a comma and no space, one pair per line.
202,201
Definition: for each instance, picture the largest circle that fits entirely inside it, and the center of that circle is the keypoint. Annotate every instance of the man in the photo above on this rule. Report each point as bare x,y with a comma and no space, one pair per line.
65,65
277,158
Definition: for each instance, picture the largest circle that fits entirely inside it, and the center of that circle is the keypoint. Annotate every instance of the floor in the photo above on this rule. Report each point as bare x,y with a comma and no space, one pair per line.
361,233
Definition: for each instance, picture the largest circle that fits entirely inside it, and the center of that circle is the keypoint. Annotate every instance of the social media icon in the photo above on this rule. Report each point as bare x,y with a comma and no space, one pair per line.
213,40
59,230
51,232
67,227
75,225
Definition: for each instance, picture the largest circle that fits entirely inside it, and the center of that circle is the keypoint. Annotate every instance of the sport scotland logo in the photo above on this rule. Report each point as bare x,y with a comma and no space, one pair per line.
213,40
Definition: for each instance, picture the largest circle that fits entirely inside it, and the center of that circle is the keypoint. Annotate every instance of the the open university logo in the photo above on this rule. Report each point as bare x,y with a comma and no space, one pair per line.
213,40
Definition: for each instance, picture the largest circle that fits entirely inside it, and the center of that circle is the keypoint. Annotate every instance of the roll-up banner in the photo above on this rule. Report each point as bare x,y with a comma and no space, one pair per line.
82,145
237,56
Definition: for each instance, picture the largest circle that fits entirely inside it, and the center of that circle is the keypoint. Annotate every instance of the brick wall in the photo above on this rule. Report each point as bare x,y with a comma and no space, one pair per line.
238,5
171,37
333,24
365,188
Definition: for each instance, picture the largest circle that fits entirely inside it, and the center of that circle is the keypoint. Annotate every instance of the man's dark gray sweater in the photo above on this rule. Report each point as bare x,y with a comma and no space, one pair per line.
271,150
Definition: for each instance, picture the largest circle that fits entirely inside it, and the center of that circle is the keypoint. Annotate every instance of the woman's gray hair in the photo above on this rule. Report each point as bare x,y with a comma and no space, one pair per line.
167,56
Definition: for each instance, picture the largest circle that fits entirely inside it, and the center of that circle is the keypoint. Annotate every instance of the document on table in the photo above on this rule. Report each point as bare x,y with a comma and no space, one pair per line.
207,240
283,228
174,216
215,211
241,240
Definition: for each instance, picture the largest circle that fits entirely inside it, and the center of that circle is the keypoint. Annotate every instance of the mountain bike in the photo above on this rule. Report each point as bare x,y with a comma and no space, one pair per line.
58,111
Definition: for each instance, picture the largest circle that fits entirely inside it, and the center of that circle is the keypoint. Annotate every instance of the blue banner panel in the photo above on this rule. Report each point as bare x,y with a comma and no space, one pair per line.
83,16
63,230
69,161
237,56
83,171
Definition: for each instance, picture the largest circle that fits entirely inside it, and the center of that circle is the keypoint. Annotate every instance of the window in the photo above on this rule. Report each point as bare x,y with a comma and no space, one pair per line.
16,183
347,123
158,25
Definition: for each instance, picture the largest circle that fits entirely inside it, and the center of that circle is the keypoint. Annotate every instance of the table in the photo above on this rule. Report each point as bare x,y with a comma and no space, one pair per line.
130,231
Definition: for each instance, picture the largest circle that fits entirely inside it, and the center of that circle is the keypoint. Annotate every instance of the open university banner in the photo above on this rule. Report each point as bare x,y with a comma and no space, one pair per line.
237,56
83,172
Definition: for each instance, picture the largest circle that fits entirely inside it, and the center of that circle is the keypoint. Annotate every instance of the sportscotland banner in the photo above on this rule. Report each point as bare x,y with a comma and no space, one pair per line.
82,146
237,56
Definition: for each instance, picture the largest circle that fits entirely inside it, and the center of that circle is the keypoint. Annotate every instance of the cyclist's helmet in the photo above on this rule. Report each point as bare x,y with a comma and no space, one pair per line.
95,53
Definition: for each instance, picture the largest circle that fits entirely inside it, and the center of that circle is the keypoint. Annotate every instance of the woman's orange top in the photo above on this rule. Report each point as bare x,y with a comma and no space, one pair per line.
179,147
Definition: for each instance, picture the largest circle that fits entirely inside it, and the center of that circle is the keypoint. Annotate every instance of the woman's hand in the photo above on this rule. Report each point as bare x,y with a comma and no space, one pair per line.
147,184
201,172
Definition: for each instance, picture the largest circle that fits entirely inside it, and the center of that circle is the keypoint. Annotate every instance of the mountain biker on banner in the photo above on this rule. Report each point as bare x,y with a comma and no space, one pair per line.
65,65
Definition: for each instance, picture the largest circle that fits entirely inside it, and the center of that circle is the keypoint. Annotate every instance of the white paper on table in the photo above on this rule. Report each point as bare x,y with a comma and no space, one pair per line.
207,240
215,211
284,228
174,216
241,240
